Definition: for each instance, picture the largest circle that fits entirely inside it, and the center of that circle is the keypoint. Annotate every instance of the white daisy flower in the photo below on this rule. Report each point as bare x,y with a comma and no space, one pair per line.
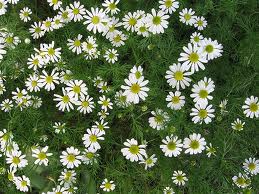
200,23
238,125
251,107
16,159
36,30
172,146
202,113
41,155
133,151
176,101
210,150
56,4
67,177
102,125
64,13
65,102
121,100
142,27
76,11
65,76
187,16
135,89
92,137
11,41
49,81
168,6
111,55
36,101
75,45
211,48
159,119
35,62
59,127
130,21
103,87
89,46
178,76
107,186
195,144
6,105
168,190
57,22
85,104
157,21
149,161
76,88
25,14
18,95
179,178
242,180
52,54
71,157
137,71
111,6
3,7
103,114
193,57
22,183
90,156
32,83
196,38
47,25
251,166
106,103
117,39
112,26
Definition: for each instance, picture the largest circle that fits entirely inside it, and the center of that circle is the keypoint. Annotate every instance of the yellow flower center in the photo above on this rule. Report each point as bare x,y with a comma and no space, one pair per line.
66,99
149,161
77,89
209,48
112,6
117,38
37,30
132,21
77,43
9,40
194,57
71,158
134,149
168,3
194,144
42,155
135,88
200,23
203,94
241,181
24,183
159,118
187,16
85,104
108,185
49,79
251,166
196,39
175,100
34,83
35,62
171,145
253,107
105,103
47,24
142,29
178,75
89,155
203,113
75,11
54,2
157,20
51,51
96,20
93,138
16,160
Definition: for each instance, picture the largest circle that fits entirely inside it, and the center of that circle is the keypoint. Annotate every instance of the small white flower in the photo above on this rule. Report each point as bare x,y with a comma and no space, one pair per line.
149,161
75,45
56,4
92,137
211,48
65,102
202,113
195,144
159,119
76,11
238,125
105,103
172,146
187,16
157,21
71,157
169,6
179,178
22,183
251,107
25,14
111,55
41,155
16,159
200,23
196,38
111,6
251,166
107,186
176,101
130,21
49,81
85,104
242,180
76,89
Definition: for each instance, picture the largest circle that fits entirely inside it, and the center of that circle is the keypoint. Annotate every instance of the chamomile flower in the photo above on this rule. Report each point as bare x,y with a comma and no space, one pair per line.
172,146
36,101
103,87
32,83
48,81
89,46
35,62
92,137
64,13
202,113
25,14
178,76
90,156
130,21
76,88
107,186
211,48
196,38
210,150
187,16
95,20
41,155
18,95
11,41
71,157
102,125
121,100
169,6
251,107
76,11
56,4
16,159
194,144
149,161
36,30
67,177
3,7
193,57
251,166
242,180
200,23
118,38
57,22
22,183
111,55
111,6
6,105
133,151
142,27
65,102
47,25
176,101
238,125
136,89
51,54
103,114
75,45
137,71
59,127
159,119
157,21
179,178
85,104
168,190
65,76
105,103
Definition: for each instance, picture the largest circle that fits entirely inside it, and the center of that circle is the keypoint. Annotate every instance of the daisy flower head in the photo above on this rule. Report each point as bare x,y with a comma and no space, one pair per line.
51,54
210,150
13,1
251,166
211,48
76,88
196,38
47,25
65,102
251,107
157,21
22,183
241,180
85,104
130,21
103,114
159,119
92,137
3,7
105,103
71,157
111,6
57,22
16,159
6,105
142,27
172,146
178,76
238,125
169,6
103,87
36,102
193,57
149,161
135,89
168,190
187,16
194,144
102,125
111,55
176,101
118,38
76,11
76,44
67,177
41,155
179,178
200,23
201,92
56,4
35,62
90,156
137,71
25,14
59,127
36,30
90,46
64,13
11,41
107,185
48,81
95,20
32,83
202,113
133,151
121,100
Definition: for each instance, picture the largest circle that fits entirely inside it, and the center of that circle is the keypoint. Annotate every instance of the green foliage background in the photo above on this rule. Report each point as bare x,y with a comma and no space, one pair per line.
234,23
